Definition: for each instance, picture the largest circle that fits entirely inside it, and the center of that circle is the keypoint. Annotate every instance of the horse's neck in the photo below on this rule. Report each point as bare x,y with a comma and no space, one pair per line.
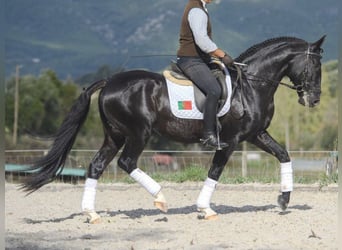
264,74
270,68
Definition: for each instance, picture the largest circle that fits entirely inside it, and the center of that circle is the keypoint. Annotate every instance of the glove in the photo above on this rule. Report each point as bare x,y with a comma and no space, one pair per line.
227,60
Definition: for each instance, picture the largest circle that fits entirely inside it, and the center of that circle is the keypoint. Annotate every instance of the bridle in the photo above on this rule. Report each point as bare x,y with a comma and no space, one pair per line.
304,81
305,75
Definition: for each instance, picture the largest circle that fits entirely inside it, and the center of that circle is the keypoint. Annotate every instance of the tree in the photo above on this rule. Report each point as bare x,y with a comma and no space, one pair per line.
42,102
45,100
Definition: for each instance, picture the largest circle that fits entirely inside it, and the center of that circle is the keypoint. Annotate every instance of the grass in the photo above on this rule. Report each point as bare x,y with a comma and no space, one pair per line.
197,173
192,173
326,180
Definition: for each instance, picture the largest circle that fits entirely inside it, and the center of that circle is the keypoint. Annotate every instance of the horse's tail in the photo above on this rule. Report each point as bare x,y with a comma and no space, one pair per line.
47,168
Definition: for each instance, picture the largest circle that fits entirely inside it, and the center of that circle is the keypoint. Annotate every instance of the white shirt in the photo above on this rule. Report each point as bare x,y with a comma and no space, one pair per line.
198,21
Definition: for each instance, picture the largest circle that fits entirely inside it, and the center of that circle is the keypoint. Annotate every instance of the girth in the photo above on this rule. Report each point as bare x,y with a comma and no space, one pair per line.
176,75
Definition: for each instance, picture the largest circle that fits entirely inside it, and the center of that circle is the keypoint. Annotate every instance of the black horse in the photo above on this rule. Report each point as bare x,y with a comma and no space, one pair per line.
134,104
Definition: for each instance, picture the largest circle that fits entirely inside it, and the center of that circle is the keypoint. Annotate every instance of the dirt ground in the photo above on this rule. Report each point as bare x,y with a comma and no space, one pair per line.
249,218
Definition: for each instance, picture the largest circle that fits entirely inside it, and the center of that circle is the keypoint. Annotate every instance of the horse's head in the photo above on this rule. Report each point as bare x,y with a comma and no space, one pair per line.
305,73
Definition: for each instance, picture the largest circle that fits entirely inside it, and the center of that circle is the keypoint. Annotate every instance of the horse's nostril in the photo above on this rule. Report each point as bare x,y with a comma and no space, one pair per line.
316,102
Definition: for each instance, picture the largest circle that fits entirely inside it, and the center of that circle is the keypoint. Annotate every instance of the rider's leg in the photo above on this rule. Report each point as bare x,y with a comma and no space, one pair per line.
209,122
200,74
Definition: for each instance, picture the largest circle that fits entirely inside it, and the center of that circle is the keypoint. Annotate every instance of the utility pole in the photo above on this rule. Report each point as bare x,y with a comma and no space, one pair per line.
16,104
287,135
244,159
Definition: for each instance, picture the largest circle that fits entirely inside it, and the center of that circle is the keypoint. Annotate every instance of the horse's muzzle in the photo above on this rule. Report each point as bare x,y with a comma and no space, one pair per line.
309,100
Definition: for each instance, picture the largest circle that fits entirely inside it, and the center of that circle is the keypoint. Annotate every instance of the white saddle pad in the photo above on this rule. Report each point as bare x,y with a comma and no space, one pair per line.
182,100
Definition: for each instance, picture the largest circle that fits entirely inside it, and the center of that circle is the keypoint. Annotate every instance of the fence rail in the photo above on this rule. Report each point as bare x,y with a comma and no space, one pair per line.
258,164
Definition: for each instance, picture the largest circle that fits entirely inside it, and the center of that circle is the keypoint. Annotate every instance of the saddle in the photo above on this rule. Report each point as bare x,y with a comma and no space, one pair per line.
176,75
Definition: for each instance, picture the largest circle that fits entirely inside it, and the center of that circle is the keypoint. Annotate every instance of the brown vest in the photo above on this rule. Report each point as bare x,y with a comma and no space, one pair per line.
187,45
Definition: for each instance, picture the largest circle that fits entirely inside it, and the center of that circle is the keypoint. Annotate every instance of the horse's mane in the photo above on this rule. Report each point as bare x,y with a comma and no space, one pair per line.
266,43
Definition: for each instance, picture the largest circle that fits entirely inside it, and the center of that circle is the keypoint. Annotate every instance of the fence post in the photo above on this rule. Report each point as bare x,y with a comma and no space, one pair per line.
244,159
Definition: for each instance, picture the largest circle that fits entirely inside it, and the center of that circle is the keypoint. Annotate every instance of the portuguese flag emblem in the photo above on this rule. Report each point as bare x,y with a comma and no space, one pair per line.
184,105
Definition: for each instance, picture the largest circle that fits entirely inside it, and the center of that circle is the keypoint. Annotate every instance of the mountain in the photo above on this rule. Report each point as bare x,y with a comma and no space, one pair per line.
75,37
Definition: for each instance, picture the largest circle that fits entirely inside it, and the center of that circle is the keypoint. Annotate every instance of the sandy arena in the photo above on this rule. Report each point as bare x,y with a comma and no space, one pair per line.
249,218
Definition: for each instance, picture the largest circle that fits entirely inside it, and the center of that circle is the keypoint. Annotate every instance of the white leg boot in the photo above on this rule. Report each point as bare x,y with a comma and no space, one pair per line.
286,176
88,201
204,198
152,187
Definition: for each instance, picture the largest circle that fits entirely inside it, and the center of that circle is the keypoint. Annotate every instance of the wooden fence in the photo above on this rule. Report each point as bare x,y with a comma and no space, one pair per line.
256,164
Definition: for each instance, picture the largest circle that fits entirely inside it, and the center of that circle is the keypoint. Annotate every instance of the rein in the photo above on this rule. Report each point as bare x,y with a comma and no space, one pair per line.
298,88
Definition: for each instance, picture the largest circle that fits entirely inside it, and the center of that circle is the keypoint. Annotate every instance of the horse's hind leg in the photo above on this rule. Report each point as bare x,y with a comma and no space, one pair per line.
128,162
100,161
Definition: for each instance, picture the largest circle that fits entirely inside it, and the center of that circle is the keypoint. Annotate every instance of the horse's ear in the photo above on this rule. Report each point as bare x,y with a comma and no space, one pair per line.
319,43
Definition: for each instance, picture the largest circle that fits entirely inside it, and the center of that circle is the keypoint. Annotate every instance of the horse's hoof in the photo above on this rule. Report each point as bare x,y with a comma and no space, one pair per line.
93,217
209,214
160,202
211,217
162,206
282,202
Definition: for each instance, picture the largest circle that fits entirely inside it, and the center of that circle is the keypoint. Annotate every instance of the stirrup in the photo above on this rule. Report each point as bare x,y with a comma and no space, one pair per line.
212,141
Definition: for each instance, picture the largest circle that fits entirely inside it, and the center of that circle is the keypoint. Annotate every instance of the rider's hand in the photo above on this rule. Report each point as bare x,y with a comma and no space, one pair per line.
227,60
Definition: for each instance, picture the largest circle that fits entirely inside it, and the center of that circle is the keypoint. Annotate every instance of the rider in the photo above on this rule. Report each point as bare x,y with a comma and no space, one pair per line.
193,56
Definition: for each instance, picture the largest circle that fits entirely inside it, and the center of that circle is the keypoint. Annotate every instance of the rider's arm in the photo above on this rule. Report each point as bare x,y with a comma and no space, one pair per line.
198,21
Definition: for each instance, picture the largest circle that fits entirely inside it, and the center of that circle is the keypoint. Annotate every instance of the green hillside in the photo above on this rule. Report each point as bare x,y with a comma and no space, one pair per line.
75,37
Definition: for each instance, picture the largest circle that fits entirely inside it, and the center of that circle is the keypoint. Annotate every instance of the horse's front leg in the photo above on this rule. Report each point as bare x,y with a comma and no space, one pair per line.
265,142
203,202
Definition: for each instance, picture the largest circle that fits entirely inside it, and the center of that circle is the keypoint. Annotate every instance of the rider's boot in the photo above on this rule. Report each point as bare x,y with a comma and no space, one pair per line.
209,125
209,139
